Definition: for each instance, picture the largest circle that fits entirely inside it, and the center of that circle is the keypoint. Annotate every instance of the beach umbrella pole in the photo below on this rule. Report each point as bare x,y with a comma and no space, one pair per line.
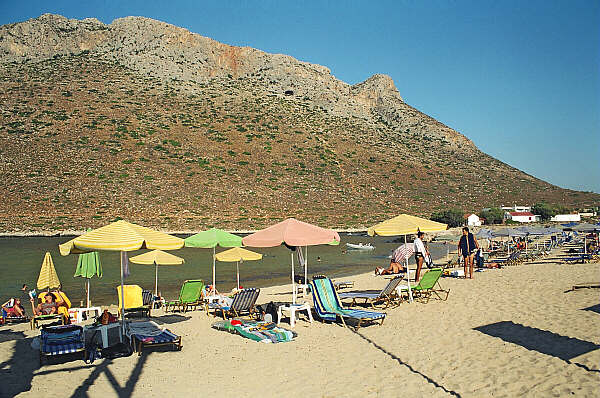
237,265
410,297
214,256
156,280
123,256
293,282
87,290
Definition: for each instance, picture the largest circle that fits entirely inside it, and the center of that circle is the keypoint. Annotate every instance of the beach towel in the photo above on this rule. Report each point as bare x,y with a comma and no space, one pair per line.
263,332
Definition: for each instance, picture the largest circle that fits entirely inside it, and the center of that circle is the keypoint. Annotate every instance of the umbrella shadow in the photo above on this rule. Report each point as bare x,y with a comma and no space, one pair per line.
9,335
406,365
17,372
593,308
542,341
170,318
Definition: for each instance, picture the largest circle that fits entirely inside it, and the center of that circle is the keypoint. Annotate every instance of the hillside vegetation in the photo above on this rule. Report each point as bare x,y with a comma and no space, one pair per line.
86,138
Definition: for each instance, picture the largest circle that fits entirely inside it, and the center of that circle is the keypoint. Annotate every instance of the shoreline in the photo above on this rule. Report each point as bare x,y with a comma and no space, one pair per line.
74,233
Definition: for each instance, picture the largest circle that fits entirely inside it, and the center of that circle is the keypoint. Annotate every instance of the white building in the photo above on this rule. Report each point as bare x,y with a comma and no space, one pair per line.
515,208
473,220
520,216
566,217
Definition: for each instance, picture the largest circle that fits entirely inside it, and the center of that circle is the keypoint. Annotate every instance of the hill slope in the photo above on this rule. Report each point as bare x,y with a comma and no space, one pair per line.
149,122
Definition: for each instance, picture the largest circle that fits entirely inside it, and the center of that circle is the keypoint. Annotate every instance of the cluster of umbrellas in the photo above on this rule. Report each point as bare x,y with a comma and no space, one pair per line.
124,237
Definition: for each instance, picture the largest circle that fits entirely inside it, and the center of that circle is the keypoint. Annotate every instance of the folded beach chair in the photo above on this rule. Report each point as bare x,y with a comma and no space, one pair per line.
386,296
60,340
134,300
149,334
190,295
328,307
243,302
426,286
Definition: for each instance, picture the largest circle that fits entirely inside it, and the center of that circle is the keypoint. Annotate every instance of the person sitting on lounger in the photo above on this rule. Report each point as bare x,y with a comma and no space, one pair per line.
48,306
13,308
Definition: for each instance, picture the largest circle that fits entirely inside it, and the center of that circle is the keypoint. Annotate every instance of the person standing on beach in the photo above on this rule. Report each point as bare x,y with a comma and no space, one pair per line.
420,253
467,247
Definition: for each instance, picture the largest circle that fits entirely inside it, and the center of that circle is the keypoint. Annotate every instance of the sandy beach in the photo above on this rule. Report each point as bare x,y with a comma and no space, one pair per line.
513,331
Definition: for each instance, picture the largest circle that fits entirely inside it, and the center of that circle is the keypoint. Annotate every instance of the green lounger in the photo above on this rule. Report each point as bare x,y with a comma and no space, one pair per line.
426,287
190,295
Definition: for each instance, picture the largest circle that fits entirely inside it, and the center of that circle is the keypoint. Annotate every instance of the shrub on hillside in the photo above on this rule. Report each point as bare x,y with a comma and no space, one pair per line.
544,210
493,215
452,217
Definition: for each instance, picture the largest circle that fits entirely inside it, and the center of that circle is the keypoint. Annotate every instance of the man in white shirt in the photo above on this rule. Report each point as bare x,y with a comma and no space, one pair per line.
420,252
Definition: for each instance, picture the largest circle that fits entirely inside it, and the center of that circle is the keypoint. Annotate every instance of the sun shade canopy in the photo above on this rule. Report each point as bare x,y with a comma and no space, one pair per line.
293,233
405,224
238,254
157,257
212,238
121,236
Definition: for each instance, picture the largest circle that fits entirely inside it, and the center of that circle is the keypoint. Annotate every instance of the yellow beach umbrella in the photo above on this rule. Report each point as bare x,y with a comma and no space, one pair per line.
156,258
48,278
124,237
238,255
405,224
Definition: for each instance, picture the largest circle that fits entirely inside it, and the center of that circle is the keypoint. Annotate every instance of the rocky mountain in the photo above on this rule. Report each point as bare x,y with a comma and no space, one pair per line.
146,121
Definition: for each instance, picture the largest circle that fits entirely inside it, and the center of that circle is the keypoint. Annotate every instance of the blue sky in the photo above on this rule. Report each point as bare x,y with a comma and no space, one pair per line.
519,78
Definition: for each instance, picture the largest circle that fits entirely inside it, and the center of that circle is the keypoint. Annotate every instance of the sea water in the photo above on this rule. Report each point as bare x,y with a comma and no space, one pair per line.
21,259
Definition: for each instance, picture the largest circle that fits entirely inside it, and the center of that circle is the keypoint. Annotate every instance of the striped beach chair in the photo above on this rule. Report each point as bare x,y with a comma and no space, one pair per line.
243,302
149,334
386,296
328,306
61,340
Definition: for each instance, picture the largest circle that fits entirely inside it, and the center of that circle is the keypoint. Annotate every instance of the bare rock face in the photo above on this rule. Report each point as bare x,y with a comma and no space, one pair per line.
175,54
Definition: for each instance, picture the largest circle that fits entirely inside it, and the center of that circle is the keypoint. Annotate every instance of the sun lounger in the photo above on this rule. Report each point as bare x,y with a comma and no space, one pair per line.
328,307
150,334
243,302
426,286
61,340
386,296
190,296
134,300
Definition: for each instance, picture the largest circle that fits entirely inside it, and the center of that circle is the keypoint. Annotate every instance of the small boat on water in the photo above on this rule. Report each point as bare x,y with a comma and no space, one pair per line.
360,246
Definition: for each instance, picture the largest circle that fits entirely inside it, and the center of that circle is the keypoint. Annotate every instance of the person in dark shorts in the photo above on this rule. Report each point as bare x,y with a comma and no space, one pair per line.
467,247
420,252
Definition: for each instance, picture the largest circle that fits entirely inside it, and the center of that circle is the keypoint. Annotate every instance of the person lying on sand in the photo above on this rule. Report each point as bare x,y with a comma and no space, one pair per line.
393,269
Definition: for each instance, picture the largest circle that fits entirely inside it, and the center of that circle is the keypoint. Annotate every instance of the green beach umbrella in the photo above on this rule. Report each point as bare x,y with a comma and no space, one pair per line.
211,239
88,265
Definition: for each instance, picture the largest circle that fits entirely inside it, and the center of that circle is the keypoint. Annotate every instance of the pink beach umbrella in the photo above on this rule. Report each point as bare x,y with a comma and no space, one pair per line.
293,233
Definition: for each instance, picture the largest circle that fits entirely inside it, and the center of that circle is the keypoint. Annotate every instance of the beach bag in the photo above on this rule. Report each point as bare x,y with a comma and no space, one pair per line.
269,308
428,260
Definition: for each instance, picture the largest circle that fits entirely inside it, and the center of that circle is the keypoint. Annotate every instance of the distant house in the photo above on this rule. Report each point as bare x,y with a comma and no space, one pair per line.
566,217
520,216
472,220
515,208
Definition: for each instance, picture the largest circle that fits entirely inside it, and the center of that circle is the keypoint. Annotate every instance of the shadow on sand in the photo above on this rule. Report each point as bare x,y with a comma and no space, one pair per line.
406,365
542,341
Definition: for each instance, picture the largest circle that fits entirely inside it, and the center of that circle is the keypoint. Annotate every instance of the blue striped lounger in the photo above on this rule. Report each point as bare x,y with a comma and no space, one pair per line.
166,337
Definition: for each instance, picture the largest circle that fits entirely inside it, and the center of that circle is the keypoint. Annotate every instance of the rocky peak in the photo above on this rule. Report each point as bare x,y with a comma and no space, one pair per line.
375,90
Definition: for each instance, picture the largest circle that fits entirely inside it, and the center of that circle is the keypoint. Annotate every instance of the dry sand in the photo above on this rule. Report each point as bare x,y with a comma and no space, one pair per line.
508,332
